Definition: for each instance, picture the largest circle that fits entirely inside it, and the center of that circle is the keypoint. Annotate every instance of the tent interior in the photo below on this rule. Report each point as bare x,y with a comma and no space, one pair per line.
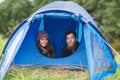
55,24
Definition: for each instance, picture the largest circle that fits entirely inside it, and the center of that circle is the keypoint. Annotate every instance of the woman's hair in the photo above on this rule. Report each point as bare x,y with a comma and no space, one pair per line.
42,34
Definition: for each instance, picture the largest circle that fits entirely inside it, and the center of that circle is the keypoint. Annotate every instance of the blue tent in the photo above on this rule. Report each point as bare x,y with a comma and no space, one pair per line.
55,18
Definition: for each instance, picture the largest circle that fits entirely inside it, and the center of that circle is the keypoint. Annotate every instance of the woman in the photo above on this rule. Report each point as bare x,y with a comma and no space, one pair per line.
43,44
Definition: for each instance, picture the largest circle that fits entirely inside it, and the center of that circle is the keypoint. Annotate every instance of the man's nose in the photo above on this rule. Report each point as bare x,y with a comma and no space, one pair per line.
70,40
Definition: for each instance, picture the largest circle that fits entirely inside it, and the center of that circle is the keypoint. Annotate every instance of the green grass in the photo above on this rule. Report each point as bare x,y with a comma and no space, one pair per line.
45,74
51,74
115,76
2,44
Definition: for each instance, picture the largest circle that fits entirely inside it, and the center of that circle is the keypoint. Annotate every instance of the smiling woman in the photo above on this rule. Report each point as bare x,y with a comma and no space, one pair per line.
44,45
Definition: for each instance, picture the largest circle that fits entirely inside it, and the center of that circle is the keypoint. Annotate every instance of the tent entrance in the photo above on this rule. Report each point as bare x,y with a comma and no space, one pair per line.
56,26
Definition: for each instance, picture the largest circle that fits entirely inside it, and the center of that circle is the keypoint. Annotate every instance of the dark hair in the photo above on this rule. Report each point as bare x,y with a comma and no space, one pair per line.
42,34
69,32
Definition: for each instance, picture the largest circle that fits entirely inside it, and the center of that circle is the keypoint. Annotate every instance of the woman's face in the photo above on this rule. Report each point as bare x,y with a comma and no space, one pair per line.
43,41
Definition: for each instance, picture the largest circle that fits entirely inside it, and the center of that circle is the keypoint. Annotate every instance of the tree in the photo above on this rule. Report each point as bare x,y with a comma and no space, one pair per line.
39,3
105,12
12,12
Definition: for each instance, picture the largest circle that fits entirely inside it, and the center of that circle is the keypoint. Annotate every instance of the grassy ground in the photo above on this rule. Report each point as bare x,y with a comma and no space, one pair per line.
45,74
115,76
51,74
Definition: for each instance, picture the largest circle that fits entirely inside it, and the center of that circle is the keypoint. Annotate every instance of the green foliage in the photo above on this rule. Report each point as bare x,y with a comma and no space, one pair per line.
116,46
40,3
13,12
2,44
105,12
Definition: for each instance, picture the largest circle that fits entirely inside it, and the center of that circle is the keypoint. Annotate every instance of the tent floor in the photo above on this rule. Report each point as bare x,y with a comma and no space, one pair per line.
47,66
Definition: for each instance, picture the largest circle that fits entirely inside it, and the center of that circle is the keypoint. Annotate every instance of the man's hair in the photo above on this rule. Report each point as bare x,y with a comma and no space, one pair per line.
69,32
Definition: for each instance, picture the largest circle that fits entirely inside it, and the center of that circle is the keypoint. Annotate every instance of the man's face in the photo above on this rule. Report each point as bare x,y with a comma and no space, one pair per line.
70,39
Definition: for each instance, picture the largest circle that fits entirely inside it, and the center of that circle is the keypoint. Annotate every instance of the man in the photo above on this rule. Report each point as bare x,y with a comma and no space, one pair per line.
72,44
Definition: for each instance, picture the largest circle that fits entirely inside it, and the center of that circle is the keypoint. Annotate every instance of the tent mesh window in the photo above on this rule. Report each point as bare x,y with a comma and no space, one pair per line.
101,61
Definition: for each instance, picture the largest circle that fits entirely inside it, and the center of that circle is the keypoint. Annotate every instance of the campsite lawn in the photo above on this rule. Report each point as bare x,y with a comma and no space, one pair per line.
45,74
51,74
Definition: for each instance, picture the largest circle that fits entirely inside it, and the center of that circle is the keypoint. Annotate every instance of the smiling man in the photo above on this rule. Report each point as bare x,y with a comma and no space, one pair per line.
72,44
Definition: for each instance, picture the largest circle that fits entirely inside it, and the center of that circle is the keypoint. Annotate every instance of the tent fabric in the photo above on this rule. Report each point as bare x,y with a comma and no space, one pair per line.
12,47
96,48
55,18
67,6
56,40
